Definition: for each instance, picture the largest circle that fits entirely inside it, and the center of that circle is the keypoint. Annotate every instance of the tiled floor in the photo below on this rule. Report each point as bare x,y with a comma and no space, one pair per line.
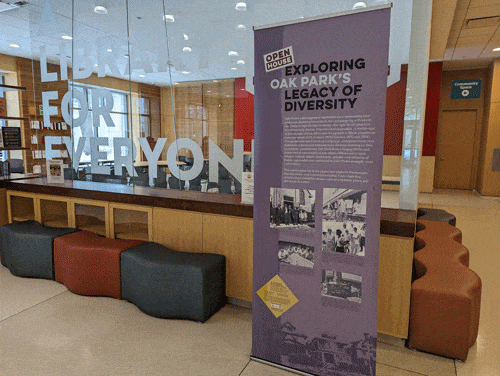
47,330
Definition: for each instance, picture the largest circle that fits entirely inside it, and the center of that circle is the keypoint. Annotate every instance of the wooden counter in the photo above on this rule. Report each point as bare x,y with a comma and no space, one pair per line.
225,204
392,222
191,221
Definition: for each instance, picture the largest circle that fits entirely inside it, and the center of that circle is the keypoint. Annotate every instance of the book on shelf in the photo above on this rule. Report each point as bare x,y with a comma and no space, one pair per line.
3,109
37,169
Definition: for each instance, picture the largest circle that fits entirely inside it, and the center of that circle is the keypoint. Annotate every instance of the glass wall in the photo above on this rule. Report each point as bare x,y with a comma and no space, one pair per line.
154,93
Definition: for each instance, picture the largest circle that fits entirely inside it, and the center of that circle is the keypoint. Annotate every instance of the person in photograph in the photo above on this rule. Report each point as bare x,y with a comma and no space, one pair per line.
323,240
355,241
283,255
343,209
272,213
345,237
279,215
330,241
356,206
335,214
362,238
340,242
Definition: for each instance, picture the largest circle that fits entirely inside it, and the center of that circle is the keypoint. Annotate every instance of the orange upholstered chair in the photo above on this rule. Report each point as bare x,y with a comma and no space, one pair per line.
88,264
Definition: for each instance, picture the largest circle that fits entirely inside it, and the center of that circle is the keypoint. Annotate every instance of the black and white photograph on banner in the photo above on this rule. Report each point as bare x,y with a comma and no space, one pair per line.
344,221
292,209
297,254
329,352
341,285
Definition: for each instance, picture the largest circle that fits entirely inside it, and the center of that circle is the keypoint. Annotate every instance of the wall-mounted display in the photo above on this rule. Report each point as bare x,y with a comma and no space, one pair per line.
11,137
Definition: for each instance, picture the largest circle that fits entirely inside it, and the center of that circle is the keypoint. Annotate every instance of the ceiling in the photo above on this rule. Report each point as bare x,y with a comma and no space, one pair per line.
473,34
155,52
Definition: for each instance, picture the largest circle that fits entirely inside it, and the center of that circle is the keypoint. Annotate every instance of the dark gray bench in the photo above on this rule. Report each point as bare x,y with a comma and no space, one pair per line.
170,284
26,248
436,215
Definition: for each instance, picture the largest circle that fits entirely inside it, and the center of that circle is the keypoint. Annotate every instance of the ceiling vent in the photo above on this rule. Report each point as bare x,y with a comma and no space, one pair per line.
483,22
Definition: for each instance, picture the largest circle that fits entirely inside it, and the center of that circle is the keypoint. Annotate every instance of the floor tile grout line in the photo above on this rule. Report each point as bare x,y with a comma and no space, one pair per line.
33,306
403,369
244,368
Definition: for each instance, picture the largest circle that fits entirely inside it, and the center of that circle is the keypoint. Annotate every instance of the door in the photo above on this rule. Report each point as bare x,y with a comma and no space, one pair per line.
455,149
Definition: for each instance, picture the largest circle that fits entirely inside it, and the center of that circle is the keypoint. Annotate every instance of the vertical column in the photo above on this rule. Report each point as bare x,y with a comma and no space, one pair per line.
415,104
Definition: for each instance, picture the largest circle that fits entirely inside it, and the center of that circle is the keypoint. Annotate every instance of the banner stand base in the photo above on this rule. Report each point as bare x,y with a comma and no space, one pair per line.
282,367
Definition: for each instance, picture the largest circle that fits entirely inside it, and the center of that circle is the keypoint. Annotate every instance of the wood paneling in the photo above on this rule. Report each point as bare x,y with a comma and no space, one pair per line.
479,104
394,285
29,76
22,206
54,211
131,221
189,231
226,204
202,109
178,230
233,238
455,162
488,180
91,215
4,218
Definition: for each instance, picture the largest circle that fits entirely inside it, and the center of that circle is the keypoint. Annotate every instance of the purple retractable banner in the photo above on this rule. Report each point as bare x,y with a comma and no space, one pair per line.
320,95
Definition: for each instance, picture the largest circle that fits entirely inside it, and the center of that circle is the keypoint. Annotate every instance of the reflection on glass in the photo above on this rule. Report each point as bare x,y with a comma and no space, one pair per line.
134,57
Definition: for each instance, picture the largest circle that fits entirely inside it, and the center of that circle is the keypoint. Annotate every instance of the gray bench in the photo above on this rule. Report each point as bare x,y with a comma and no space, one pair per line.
170,284
436,215
26,248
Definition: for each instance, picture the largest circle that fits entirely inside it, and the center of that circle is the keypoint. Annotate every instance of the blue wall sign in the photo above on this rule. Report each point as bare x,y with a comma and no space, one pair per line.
466,89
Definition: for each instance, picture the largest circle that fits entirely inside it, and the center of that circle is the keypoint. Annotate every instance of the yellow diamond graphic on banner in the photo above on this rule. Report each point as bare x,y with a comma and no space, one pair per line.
277,296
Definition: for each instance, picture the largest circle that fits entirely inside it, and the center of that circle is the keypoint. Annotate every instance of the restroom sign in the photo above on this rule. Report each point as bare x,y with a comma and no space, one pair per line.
466,89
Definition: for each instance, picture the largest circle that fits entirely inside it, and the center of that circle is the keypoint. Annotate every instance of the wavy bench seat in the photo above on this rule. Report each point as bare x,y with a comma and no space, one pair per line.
445,295
159,281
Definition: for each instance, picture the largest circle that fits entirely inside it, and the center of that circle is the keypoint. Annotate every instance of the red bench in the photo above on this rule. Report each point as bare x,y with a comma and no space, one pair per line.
88,264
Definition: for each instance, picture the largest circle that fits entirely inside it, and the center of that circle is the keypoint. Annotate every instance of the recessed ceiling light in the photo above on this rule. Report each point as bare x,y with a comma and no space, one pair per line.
97,65
100,10
227,96
169,18
215,81
187,49
109,50
241,27
176,83
186,37
234,68
13,45
209,91
241,6
240,62
495,49
67,37
142,75
233,53
359,5
185,72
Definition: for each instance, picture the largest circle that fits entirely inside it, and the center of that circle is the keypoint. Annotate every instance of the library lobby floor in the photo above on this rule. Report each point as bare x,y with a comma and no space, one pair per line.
45,330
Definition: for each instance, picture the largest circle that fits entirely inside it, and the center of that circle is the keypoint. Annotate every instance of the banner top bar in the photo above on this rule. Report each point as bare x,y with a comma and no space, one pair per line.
345,13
